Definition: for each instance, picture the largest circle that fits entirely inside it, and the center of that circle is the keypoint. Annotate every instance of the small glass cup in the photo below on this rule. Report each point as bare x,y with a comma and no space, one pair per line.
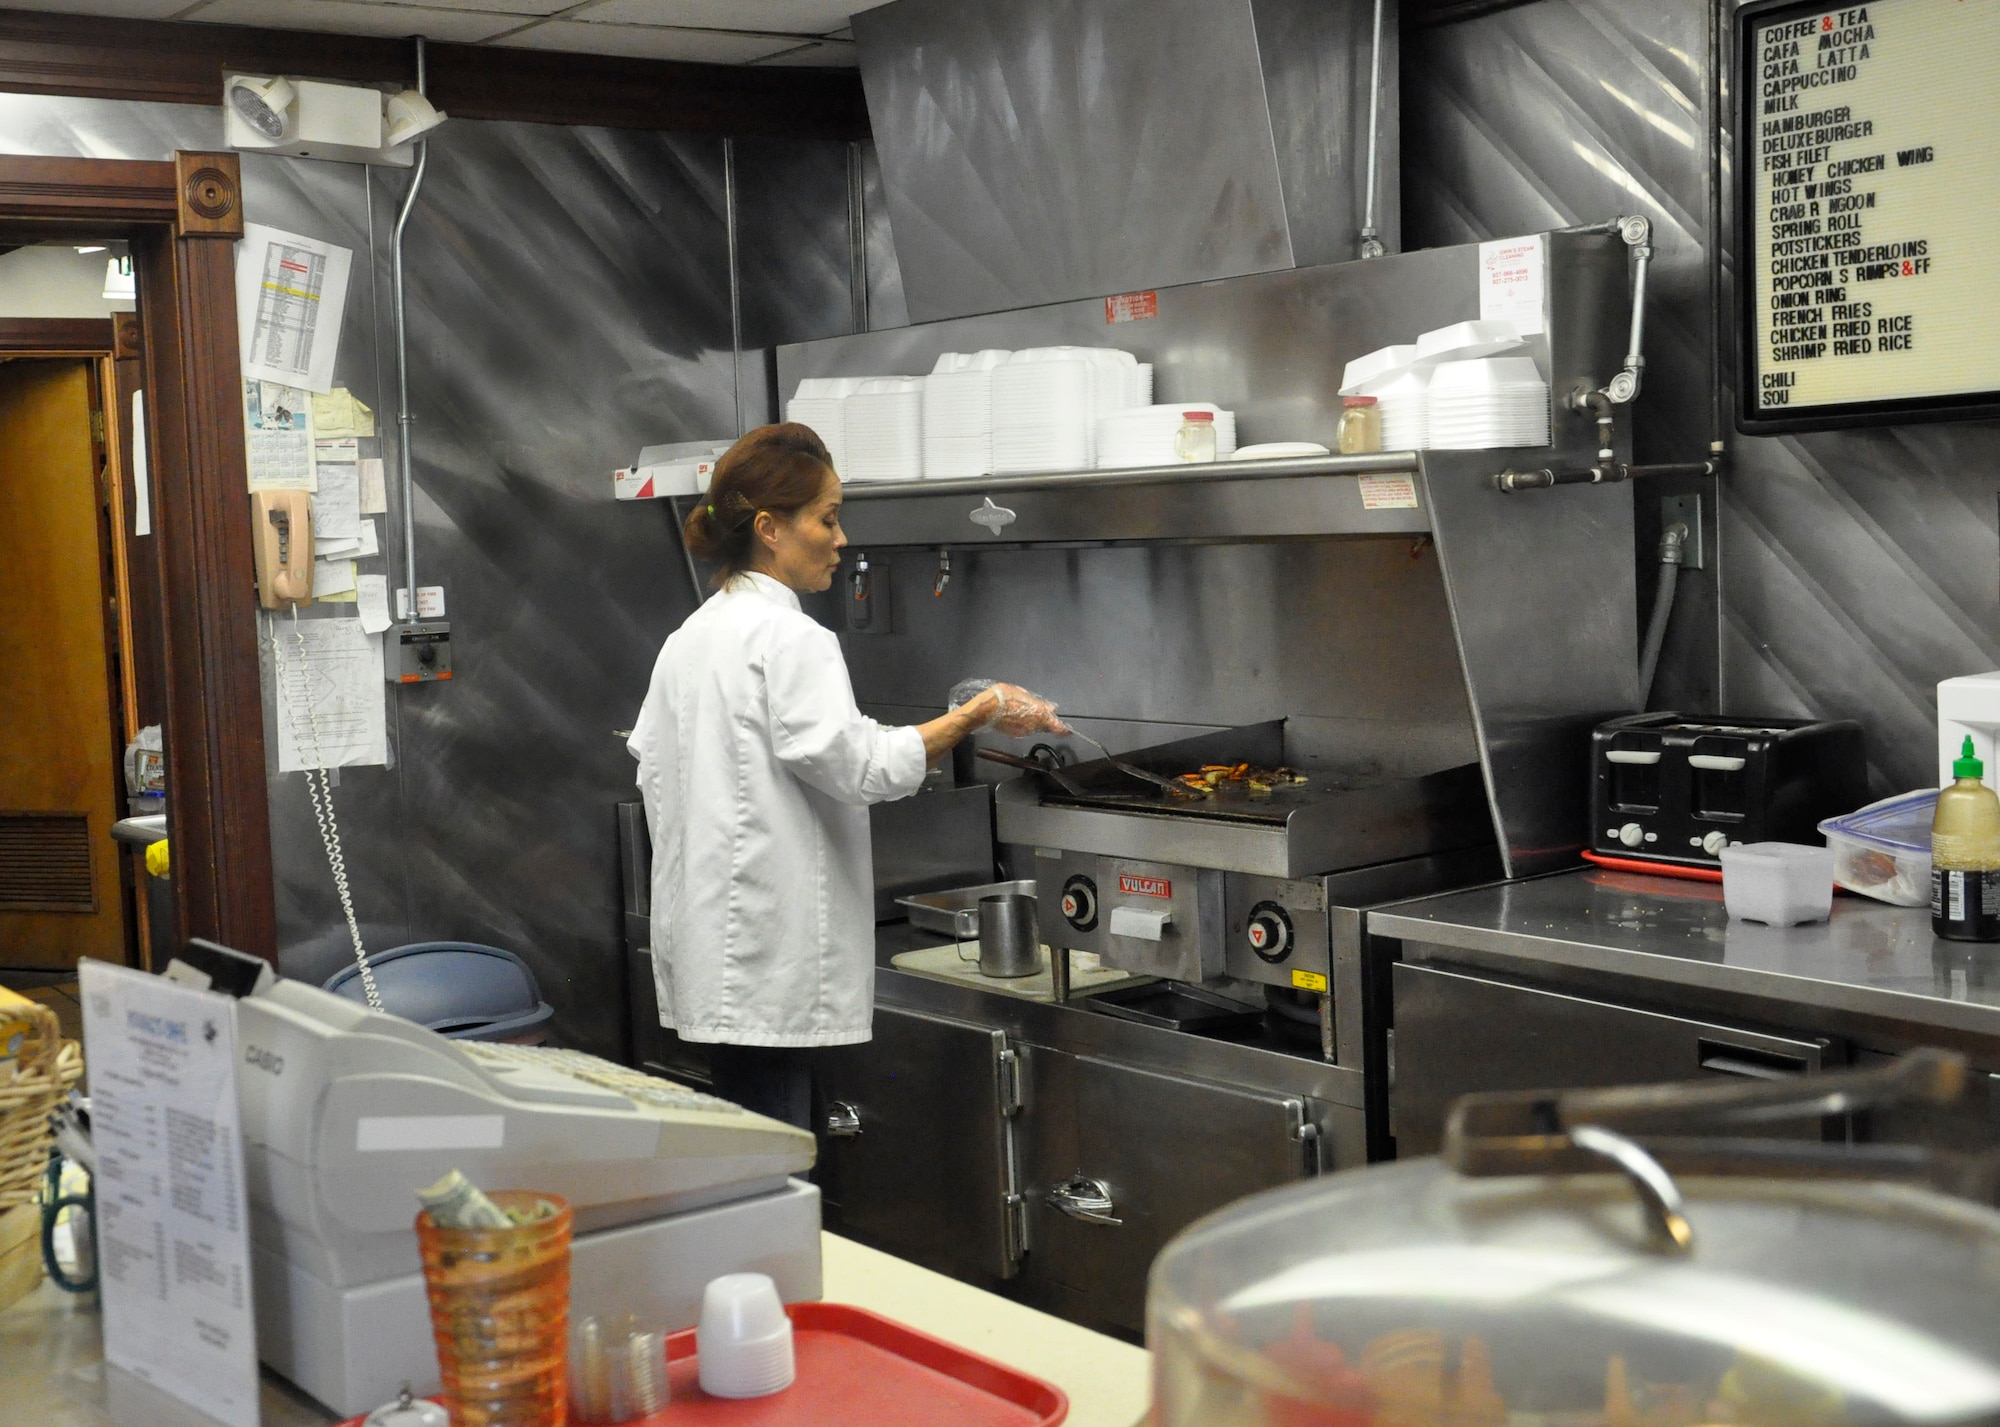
500,1315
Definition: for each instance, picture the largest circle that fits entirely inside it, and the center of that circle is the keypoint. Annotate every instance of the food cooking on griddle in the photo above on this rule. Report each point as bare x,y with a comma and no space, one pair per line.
1257,782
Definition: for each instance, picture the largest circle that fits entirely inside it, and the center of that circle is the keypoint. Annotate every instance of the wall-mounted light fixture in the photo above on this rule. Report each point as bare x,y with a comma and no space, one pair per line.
317,119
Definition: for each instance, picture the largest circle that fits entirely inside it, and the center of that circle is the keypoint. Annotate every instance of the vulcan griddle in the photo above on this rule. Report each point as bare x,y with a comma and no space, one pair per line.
1338,819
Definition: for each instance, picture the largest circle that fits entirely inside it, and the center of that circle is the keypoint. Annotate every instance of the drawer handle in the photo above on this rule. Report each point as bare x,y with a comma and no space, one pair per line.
1748,1063
843,1121
1084,1198
1631,755
1715,763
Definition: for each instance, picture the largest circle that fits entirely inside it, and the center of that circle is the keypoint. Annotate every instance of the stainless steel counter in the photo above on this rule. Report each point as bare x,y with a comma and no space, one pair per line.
1873,962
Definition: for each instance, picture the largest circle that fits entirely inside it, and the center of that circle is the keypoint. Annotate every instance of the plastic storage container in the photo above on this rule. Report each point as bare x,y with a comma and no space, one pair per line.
1778,883
1884,850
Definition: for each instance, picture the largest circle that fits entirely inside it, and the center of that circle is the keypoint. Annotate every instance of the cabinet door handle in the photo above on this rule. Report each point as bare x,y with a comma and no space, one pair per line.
1748,1062
1632,755
1715,763
843,1121
1083,1198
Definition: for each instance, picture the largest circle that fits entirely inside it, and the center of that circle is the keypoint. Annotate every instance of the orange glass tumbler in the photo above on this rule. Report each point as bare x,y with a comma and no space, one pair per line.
500,1315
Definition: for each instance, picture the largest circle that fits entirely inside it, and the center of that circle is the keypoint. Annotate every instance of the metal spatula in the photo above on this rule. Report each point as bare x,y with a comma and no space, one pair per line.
1178,789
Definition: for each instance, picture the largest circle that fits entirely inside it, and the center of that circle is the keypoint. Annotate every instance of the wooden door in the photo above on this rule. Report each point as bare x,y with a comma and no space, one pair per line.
59,895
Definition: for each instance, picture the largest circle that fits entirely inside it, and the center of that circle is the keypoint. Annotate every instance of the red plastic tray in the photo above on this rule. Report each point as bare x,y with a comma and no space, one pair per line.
856,1368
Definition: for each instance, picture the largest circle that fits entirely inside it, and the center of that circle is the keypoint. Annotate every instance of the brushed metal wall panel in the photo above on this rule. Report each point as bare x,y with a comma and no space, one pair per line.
1050,149
1857,568
568,303
1571,111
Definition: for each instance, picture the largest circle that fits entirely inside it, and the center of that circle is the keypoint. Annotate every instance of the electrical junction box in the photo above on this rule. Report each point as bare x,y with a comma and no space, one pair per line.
418,653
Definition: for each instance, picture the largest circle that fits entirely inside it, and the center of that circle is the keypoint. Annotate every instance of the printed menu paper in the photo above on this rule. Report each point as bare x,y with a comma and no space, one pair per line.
290,293
172,1221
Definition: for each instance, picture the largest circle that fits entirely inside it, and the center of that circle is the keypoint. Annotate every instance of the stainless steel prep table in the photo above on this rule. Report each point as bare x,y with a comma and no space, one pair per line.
1597,977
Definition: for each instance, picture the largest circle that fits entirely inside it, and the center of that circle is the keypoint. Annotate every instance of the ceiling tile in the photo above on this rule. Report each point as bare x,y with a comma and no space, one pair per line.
121,9
649,42
821,54
792,17
345,17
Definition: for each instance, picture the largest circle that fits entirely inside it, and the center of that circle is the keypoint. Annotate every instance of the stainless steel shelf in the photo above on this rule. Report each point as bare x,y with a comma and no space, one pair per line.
1226,500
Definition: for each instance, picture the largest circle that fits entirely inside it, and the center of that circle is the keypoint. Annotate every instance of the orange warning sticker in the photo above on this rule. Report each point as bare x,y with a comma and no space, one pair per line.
1131,307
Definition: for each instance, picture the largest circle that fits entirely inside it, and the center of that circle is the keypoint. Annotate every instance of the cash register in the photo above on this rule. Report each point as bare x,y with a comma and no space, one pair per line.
347,1112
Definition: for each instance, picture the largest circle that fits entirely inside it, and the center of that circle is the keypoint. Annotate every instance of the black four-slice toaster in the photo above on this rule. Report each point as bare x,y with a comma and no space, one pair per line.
1676,788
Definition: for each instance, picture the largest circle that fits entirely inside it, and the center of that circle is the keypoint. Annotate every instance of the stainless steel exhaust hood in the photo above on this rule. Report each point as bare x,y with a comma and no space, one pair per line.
1035,151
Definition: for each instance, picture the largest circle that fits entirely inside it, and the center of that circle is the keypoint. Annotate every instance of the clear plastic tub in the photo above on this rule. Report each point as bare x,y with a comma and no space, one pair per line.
1884,850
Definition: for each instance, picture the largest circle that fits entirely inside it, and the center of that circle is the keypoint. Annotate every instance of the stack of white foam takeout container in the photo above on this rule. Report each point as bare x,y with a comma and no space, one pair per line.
882,430
1145,435
1470,386
819,403
1047,402
958,415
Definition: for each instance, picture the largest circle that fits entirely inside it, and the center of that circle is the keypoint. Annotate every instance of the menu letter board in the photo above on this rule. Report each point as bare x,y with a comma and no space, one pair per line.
1868,212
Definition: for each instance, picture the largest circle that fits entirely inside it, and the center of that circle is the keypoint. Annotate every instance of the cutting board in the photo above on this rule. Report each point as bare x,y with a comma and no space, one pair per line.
1086,973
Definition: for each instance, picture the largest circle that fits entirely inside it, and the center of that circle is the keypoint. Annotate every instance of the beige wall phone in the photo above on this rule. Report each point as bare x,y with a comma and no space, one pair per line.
281,525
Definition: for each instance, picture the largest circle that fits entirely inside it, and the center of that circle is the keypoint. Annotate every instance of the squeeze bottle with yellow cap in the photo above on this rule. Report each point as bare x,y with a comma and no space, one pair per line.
1965,855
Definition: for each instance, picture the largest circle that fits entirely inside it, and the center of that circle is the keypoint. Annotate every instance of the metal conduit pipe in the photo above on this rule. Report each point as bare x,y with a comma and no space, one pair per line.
1673,542
735,288
1371,244
403,417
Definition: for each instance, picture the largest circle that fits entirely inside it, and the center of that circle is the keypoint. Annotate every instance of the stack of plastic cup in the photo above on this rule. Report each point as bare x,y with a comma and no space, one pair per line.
744,1340
500,1315
616,1372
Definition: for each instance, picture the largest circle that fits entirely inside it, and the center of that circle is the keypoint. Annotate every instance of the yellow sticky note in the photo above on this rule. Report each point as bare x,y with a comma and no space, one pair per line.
364,419
344,597
333,412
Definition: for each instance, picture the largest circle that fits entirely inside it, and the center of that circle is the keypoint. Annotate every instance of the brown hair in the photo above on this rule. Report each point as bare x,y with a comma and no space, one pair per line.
781,468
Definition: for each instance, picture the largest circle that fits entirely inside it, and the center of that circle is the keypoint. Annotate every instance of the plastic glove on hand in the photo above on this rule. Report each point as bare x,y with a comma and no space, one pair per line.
1015,712
1023,713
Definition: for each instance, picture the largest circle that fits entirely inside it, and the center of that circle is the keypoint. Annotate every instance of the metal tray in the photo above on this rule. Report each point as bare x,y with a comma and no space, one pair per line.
1176,1006
955,911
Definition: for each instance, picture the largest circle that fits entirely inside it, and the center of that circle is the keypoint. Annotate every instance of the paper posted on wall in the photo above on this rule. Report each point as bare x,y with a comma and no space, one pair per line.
290,293
328,678
337,505
341,414
142,492
277,437
374,493
1511,276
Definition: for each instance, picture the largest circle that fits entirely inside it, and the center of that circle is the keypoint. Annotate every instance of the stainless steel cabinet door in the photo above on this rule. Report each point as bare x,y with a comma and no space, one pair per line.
1116,1161
1458,1033
914,1147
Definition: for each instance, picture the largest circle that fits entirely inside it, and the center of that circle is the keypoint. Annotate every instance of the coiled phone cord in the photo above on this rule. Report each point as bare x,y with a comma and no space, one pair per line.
320,789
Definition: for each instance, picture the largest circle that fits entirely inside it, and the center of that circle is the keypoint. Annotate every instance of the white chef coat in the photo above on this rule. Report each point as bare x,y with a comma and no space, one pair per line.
757,770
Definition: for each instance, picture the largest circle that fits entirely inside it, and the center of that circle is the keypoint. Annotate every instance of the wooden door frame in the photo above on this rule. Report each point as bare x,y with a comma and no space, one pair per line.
181,219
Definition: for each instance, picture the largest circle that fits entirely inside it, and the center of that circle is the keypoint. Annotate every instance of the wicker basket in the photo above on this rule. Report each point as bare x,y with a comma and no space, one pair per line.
46,1067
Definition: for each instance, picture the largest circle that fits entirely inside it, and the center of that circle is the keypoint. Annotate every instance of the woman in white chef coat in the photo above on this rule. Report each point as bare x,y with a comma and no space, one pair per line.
757,770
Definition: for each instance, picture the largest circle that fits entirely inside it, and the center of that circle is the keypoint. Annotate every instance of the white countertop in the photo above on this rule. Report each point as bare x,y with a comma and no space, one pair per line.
51,1346
1108,1382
